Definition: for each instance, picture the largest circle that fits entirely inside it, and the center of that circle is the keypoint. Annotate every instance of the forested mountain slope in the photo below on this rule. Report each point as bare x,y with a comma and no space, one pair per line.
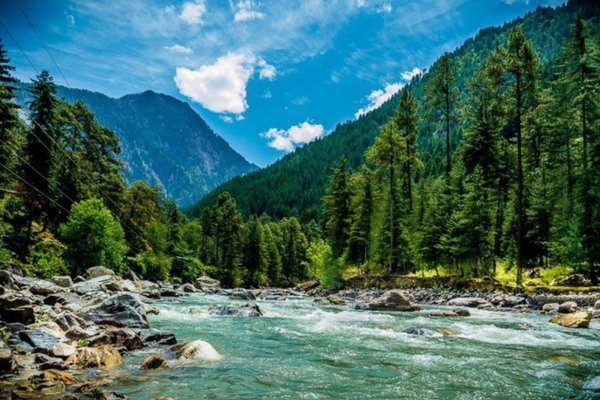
164,142
295,185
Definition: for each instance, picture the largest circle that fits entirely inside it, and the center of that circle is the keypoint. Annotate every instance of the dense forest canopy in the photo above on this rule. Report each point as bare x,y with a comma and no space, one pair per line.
490,158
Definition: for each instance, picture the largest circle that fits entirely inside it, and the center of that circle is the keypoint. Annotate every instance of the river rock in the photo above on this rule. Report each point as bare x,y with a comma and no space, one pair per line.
23,315
550,307
100,284
392,300
13,300
7,361
154,362
128,286
335,300
443,314
207,284
248,310
567,307
597,305
592,384
63,299
159,337
103,357
41,339
415,331
62,350
242,295
62,281
461,312
472,302
79,333
485,306
118,338
123,310
66,320
188,288
51,326
7,280
575,320
40,286
95,272
196,350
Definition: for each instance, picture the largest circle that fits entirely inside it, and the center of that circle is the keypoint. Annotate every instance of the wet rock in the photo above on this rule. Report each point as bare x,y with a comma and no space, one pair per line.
154,362
169,292
158,337
597,305
485,306
23,315
567,307
472,302
575,320
62,281
447,332
392,300
248,310
242,295
335,300
306,286
118,338
415,331
96,272
207,284
196,350
103,357
443,314
128,286
188,288
461,312
123,310
79,279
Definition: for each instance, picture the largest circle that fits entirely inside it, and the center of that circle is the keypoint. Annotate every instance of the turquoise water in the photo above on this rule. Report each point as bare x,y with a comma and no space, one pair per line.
301,351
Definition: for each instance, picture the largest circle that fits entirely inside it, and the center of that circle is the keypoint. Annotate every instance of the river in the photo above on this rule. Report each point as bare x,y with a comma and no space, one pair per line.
298,350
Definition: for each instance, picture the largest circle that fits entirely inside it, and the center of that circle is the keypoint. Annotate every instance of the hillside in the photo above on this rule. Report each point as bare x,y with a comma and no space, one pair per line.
165,142
295,185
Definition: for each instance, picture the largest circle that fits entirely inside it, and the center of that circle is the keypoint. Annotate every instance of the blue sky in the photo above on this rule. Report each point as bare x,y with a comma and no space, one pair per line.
266,75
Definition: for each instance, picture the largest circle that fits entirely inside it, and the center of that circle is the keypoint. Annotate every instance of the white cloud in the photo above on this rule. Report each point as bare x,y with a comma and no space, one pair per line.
386,8
192,12
378,97
287,140
218,87
227,119
179,49
71,20
266,71
246,11
408,75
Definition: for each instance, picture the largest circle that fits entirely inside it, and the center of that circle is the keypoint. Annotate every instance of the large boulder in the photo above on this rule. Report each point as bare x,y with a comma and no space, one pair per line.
575,320
123,310
119,338
103,357
207,284
41,339
466,302
567,307
248,310
392,300
102,283
96,272
196,350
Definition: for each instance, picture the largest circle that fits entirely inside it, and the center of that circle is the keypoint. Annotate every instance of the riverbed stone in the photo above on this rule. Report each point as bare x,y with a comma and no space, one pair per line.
41,286
392,300
567,307
548,307
597,305
196,350
248,310
62,350
23,315
156,336
98,271
103,357
100,284
443,314
472,302
41,339
62,281
574,320
485,306
122,310
154,362
335,300
66,319
188,288
118,338
207,284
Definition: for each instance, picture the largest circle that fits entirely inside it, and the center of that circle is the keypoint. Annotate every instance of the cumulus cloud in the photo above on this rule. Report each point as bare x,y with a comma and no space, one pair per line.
192,12
408,75
179,49
221,87
246,10
218,87
378,97
288,139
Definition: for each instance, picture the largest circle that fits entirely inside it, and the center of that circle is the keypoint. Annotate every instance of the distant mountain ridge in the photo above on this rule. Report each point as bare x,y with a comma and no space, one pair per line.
165,142
295,184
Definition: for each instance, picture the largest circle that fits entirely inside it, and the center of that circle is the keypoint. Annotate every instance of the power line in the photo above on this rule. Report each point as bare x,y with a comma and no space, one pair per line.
42,42
20,48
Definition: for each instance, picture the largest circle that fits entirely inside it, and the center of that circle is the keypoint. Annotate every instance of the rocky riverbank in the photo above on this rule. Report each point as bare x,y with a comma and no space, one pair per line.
55,331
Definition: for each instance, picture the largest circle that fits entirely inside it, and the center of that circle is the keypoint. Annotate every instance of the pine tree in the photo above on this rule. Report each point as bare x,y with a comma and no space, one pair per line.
255,257
228,240
336,209
363,206
406,115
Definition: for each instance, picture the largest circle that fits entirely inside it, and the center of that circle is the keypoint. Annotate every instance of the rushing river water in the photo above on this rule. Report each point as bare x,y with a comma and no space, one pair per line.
298,350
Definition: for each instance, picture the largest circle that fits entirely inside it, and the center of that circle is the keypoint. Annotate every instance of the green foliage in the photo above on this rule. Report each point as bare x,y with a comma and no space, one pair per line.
151,266
93,238
323,266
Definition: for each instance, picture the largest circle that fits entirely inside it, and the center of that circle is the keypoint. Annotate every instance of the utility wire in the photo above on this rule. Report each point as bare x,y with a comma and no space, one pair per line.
41,41
19,46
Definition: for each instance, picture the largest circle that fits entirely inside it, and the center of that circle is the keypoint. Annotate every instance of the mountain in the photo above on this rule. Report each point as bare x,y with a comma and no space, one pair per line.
164,141
295,185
